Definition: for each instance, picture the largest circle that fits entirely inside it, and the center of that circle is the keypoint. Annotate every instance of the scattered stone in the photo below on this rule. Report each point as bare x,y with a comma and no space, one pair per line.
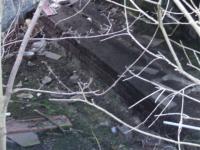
28,105
25,95
39,46
19,84
30,64
52,55
136,120
114,11
105,123
29,54
25,139
27,22
39,94
123,129
114,130
46,80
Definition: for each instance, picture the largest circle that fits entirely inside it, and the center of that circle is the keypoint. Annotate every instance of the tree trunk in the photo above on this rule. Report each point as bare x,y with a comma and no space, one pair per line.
2,111
3,131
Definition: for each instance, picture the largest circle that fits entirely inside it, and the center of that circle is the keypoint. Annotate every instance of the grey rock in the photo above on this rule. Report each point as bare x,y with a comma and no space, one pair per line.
28,54
124,129
39,46
19,84
25,95
30,64
46,80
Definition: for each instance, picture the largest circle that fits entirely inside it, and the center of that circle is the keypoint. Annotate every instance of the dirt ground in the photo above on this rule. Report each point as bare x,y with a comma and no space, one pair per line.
91,129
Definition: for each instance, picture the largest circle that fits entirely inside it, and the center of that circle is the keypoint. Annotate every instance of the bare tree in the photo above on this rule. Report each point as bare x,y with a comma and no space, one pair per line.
9,88
2,112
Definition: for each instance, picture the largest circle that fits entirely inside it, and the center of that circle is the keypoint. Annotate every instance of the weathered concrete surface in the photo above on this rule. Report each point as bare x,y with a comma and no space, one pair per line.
11,8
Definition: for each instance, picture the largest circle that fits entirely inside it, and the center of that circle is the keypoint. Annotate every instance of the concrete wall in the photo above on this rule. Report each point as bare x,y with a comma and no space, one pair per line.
11,8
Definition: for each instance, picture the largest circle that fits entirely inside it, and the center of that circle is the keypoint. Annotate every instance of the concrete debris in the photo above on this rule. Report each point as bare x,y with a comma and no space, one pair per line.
23,131
19,84
39,94
77,97
114,11
39,46
46,80
36,124
25,139
114,130
29,54
25,95
52,55
27,22
104,123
